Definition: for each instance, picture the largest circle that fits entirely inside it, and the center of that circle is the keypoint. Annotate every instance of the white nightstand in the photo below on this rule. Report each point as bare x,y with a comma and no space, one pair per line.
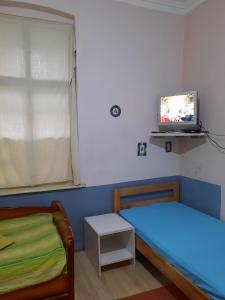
108,239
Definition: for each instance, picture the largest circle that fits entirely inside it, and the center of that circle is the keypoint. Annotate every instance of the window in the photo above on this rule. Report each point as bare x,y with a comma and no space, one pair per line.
36,78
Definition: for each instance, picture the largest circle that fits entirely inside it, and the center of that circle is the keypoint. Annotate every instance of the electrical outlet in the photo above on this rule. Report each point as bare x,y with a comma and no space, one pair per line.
142,149
168,146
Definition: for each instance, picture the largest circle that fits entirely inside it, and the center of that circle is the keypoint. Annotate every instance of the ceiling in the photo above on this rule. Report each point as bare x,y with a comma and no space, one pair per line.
175,6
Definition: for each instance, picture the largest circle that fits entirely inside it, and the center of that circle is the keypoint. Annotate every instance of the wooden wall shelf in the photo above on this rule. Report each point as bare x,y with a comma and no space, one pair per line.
181,142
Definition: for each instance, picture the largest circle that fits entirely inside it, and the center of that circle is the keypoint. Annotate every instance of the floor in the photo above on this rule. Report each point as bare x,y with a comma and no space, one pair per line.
116,282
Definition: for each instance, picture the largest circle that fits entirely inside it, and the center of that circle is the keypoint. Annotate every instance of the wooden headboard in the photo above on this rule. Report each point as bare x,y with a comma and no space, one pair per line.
172,187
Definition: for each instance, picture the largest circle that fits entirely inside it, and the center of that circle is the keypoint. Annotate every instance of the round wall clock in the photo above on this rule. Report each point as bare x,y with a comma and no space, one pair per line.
115,111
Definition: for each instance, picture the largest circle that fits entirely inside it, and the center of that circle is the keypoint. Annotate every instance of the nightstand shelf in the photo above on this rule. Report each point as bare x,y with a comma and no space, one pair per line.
115,248
115,256
108,239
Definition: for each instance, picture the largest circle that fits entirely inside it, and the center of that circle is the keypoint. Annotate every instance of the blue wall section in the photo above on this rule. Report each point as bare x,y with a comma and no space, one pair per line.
90,201
78,203
201,195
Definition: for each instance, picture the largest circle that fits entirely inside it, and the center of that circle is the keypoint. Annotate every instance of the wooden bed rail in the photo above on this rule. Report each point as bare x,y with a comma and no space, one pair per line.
188,288
66,233
61,287
172,187
16,212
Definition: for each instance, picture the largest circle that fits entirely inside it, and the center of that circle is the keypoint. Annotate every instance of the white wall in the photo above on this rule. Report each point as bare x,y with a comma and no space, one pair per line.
204,70
127,56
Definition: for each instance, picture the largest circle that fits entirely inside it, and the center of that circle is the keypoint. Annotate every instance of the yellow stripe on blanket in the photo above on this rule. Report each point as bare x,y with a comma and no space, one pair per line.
5,241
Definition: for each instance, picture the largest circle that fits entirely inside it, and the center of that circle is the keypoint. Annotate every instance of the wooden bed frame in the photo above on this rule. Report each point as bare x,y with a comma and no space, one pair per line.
192,291
62,287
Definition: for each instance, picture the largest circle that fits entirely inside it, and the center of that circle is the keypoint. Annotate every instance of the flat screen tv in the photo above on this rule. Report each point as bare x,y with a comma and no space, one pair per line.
179,112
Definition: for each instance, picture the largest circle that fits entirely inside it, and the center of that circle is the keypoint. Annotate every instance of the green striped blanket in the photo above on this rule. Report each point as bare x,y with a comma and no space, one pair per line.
36,256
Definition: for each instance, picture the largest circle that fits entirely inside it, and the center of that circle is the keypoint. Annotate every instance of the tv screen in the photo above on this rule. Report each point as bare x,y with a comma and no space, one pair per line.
178,111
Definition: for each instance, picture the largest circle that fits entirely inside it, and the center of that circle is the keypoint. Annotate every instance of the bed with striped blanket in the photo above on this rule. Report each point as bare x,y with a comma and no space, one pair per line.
35,255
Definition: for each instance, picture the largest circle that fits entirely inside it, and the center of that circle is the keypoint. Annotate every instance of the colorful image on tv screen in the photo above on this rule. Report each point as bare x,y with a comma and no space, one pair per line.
178,108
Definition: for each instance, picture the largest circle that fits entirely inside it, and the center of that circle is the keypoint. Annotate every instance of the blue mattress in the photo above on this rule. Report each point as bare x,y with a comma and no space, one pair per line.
193,242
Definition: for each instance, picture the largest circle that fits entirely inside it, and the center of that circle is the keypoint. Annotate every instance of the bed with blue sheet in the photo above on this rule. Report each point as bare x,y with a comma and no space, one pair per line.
191,242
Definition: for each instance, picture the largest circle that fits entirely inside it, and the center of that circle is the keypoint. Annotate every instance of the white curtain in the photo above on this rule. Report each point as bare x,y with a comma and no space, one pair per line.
35,102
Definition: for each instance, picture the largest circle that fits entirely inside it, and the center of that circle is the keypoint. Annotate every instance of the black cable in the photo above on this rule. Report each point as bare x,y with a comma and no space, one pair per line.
215,142
200,125
208,134
216,134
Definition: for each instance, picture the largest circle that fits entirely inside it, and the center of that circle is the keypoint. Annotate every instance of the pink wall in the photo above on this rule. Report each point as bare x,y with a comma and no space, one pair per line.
204,70
204,59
